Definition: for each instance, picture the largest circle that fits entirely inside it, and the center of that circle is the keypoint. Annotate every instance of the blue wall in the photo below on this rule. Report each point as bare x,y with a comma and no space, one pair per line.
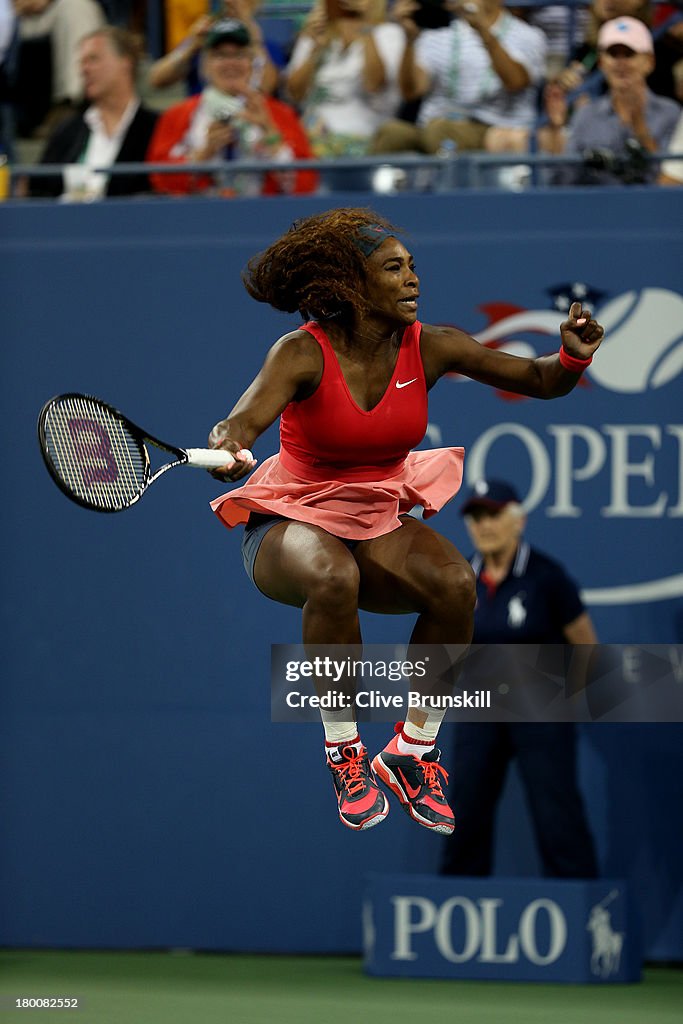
146,798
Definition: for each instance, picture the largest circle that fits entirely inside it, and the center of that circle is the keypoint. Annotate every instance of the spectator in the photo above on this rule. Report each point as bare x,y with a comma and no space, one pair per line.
51,29
230,119
585,57
343,74
182,61
522,597
115,127
476,78
615,133
668,49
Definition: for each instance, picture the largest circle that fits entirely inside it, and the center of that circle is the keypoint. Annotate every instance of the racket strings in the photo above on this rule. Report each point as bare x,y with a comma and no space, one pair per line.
94,454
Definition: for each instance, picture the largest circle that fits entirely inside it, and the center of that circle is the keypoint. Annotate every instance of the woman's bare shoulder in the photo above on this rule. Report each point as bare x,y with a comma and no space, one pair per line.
296,355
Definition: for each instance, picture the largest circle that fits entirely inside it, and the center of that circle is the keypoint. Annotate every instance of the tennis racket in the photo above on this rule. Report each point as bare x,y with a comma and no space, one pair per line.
99,458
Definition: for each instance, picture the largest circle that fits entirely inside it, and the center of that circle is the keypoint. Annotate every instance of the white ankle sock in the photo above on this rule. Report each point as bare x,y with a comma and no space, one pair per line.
419,740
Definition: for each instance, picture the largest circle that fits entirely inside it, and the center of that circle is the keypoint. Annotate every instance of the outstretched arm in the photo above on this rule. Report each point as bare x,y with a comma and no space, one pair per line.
292,370
447,350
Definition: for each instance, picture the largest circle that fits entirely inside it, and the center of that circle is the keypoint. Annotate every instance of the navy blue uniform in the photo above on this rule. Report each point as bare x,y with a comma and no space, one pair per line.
531,605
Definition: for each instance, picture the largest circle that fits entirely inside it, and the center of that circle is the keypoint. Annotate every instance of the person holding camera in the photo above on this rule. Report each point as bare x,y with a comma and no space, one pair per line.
230,119
187,39
343,74
614,133
476,77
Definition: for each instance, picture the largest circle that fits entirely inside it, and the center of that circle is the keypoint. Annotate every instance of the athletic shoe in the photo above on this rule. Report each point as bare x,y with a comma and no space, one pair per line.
416,783
362,804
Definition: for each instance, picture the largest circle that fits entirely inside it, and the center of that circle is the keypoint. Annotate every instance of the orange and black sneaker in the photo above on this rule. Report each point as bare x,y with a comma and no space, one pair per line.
417,785
362,804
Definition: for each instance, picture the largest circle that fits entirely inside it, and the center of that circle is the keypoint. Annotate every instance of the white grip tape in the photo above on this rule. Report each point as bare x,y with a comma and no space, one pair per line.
212,458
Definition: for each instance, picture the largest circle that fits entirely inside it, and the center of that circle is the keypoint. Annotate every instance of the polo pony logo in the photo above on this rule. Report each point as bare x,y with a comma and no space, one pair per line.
516,611
607,944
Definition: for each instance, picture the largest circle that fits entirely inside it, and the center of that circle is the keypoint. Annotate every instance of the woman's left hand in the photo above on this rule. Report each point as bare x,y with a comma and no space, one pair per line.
580,334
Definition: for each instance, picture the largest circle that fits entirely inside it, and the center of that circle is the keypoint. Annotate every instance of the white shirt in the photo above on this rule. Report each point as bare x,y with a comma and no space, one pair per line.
463,82
336,98
80,180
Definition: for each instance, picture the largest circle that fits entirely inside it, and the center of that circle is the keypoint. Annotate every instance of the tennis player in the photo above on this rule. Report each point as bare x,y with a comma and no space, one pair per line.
327,519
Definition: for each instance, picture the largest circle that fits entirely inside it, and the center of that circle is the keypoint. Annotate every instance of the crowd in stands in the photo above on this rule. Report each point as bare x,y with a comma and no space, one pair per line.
602,84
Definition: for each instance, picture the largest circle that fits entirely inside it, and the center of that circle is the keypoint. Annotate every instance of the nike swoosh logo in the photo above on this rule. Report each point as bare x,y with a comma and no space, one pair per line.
410,790
405,383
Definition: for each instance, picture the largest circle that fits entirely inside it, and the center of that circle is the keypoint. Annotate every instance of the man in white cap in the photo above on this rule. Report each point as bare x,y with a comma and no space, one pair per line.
615,132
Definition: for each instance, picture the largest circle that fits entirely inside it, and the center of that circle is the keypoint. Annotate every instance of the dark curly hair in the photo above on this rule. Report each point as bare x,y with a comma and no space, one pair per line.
317,267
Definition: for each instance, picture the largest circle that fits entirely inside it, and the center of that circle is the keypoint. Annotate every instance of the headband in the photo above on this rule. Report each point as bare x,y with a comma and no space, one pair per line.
370,237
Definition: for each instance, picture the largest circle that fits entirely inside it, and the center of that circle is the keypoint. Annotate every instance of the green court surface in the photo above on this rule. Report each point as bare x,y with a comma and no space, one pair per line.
186,988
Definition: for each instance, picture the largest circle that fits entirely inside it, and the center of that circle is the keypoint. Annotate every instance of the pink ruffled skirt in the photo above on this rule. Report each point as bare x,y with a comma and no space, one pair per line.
356,510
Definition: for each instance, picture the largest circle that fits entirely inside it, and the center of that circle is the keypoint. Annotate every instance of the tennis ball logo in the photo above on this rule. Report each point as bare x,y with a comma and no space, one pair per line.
643,347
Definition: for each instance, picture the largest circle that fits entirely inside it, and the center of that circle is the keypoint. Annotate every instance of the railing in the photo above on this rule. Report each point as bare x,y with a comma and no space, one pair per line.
403,172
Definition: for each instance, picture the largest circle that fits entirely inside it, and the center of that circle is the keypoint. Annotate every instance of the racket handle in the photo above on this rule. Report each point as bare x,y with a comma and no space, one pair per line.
211,458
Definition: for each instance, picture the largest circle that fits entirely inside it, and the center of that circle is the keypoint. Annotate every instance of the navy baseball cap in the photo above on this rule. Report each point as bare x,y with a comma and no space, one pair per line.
227,30
489,494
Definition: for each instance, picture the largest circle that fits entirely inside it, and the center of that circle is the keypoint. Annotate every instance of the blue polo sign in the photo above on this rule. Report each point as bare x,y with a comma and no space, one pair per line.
423,926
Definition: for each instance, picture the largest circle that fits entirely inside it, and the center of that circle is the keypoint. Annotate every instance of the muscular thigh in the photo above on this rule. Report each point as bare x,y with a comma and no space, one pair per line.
292,558
398,569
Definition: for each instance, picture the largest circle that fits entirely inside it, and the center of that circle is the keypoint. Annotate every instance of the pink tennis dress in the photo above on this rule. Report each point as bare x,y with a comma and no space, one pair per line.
346,470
